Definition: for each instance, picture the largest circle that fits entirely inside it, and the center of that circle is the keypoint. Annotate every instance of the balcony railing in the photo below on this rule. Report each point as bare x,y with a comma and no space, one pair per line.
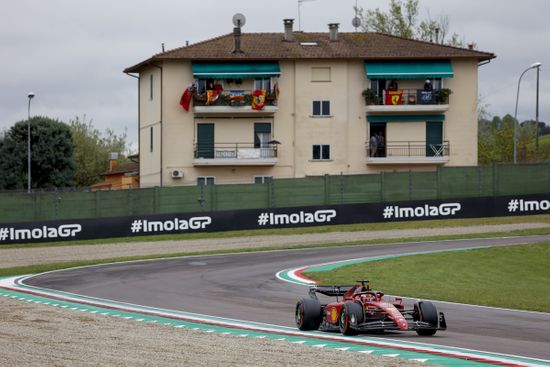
235,151
407,97
233,98
414,149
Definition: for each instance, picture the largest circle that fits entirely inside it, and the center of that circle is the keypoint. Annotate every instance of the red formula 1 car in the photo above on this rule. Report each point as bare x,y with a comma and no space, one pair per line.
361,309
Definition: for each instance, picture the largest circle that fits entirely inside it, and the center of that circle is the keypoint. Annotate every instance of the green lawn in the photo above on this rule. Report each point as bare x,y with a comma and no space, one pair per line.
515,277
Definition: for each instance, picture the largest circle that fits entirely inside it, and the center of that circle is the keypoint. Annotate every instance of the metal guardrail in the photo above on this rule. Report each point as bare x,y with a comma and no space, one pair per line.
408,149
235,151
412,97
234,98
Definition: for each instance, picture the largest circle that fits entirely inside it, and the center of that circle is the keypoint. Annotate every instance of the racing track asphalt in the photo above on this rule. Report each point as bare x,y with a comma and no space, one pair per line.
244,287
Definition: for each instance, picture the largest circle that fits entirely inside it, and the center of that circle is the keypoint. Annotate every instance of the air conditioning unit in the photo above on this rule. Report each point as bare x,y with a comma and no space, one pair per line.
177,173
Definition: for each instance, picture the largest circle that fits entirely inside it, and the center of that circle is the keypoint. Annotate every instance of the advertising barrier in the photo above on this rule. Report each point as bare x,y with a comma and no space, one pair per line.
144,225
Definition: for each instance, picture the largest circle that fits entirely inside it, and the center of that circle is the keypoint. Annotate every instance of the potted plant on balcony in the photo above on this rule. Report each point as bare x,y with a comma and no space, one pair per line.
442,95
370,97
199,97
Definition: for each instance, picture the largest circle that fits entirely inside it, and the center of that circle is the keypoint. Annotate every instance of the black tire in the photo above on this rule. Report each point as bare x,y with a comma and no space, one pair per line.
309,314
349,311
426,312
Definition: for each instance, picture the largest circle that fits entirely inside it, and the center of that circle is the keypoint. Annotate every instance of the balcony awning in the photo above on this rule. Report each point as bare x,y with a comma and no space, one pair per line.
231,70
405,118
409,69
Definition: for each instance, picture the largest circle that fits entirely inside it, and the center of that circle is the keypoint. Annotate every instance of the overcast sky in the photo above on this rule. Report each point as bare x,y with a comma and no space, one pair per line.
71,53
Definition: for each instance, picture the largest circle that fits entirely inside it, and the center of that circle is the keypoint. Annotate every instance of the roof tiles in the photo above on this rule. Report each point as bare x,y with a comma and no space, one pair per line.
272,46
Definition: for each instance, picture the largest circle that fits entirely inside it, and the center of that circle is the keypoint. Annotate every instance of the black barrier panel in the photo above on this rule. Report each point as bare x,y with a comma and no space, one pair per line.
144,225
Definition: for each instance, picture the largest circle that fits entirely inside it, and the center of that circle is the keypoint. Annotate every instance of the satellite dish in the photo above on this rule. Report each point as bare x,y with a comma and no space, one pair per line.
356,22
239,20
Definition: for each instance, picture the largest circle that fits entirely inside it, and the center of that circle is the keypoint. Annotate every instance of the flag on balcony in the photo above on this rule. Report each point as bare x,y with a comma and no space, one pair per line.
236,97
258,99
212,96
185,99
394,97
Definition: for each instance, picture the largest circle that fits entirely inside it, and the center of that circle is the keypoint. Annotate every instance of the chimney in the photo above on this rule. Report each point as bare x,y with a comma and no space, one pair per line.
289,36
237,38
333,31
113,161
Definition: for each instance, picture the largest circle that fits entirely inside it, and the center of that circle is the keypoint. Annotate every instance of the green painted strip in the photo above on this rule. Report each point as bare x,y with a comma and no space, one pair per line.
223,330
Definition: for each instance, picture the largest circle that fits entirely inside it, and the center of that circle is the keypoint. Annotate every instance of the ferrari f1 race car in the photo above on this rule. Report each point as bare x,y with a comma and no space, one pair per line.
361,309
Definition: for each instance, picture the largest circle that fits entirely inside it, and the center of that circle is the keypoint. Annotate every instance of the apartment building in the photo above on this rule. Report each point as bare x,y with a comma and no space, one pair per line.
248,107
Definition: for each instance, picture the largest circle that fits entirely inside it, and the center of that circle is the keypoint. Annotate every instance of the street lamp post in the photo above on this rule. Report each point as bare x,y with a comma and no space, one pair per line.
536,65
29,181
537,111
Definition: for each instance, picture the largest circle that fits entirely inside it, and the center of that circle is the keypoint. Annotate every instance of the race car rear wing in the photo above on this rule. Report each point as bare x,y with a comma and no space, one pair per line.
329,290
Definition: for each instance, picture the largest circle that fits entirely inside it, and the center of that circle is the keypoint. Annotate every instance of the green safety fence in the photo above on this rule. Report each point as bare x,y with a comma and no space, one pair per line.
443,183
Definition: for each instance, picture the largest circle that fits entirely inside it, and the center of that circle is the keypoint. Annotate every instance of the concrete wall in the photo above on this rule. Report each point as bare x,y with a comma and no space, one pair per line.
150,121
460,126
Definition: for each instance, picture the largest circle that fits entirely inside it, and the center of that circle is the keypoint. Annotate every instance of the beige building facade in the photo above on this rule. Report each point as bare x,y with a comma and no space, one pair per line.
329,107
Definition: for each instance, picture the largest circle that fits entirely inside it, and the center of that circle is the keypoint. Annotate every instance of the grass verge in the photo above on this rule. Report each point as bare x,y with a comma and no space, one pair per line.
440,223
511,277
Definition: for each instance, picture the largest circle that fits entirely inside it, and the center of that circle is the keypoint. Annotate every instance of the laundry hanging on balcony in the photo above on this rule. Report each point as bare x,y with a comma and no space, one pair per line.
258,100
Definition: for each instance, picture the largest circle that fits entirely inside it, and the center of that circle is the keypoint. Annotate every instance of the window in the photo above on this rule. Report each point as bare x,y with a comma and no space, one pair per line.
151,87
151,139
262,83
208,84
206,180
321,152
262,135
262,179
320,74
321,108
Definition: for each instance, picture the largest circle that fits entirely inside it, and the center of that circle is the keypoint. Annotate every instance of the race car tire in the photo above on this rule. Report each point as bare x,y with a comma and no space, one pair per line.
349,311
426,312
309,314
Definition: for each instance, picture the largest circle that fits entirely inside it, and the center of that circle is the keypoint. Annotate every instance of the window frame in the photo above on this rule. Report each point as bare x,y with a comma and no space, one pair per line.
262,82
206,180
151,85
324,152
323,105
263,179
151,140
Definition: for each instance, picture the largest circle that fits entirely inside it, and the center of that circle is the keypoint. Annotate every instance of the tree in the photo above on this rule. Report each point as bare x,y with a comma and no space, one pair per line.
496,141
52,164
92,148
402,20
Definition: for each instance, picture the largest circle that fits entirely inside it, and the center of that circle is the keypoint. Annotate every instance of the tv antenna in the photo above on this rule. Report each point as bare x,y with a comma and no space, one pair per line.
299,15
356,21
239,20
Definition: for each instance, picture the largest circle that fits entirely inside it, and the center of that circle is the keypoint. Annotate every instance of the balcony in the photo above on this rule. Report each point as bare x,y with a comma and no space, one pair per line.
408,152
236,102
407,100
235,154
